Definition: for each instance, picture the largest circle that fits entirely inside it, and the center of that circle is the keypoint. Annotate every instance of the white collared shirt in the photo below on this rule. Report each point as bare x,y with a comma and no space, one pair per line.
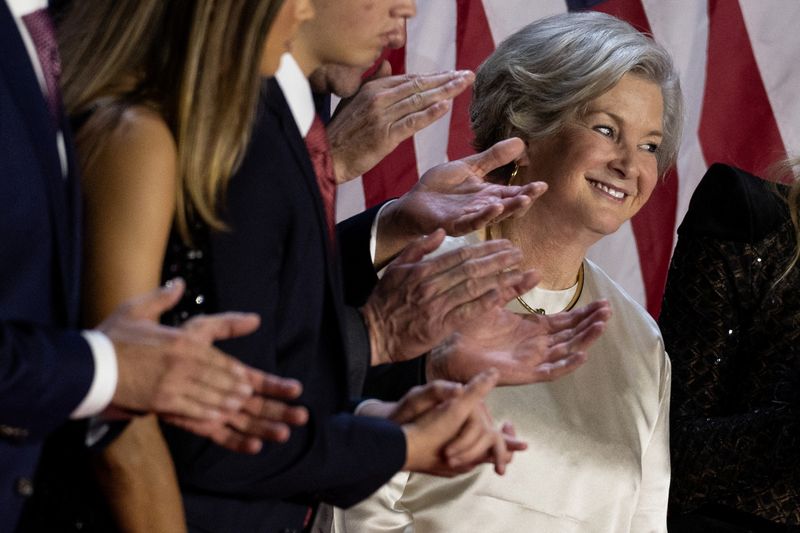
297,91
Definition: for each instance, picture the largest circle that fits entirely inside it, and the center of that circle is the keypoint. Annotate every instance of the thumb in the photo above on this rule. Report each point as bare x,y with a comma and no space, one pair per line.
384,70
480,385
151,305
501,153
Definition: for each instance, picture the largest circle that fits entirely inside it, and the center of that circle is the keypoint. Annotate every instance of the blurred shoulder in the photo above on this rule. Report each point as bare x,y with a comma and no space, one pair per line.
733,205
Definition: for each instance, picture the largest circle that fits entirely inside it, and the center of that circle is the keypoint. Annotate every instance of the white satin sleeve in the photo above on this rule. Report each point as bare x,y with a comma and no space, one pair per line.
650,515
382,512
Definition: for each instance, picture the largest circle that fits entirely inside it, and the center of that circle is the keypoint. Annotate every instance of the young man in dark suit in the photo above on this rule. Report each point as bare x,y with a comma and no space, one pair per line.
279,259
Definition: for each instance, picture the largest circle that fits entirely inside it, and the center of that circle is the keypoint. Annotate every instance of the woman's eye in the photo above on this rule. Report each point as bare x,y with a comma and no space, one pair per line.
651,147
608,131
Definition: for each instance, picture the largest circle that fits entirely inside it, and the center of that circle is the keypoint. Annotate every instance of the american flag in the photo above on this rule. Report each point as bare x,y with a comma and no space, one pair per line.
739,63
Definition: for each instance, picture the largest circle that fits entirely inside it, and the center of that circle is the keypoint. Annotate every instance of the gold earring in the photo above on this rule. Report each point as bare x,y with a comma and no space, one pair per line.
513,173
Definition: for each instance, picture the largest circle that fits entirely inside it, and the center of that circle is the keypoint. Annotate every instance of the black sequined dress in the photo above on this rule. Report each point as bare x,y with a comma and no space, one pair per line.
192,262
734,340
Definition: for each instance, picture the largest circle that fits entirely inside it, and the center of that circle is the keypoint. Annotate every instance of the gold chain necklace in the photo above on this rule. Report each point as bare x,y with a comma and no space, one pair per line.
570,305
539,310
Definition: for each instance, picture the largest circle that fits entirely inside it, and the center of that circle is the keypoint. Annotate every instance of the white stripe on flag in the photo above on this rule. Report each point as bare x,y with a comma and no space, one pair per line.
775,39
432,48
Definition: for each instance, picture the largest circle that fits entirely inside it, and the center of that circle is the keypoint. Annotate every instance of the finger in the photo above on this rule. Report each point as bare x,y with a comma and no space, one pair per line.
502,153
222,326
273,386
580,342
182,405
555,370
516,207
478,219
501,456
201,393
384,71
214,369
600,315
153,304
218,433
510,436
414,252
532,190
571,319
449,269
472,433
260,428
422,399
530,279
420,91
500,287
407,125
275,411
417,97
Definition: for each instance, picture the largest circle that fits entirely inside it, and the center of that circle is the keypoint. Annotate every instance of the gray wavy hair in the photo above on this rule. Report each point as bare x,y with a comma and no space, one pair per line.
547,73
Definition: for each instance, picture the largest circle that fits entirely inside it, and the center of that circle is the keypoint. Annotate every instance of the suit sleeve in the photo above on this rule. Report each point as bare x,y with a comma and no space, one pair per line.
44,374
358,272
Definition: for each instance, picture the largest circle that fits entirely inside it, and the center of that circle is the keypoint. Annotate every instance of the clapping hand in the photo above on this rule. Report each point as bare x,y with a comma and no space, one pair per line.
178,374
524,349
457,197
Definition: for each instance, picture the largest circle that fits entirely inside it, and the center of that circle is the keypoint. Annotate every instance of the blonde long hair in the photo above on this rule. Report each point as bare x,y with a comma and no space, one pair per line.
195,61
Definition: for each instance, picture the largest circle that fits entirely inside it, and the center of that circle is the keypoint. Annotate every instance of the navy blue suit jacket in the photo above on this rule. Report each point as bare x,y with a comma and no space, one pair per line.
45,369
275,260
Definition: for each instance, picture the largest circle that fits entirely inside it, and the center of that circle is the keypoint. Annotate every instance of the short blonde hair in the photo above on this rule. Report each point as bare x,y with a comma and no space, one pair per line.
547,73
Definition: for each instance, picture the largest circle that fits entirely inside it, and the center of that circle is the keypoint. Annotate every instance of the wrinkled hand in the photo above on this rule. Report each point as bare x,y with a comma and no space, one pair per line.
455,196
524,349
453,436
385,112
419,303
176,373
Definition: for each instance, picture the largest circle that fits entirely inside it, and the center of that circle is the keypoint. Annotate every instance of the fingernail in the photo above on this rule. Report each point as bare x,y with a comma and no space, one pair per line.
173,283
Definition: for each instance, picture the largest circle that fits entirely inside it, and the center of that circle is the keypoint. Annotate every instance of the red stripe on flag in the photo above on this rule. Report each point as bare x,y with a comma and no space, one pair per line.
473,45
653,226
397,173
737,126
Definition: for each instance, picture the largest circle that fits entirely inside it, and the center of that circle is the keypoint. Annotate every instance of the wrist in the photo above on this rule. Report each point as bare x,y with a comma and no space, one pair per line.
340,170
377,341
412,448
394,233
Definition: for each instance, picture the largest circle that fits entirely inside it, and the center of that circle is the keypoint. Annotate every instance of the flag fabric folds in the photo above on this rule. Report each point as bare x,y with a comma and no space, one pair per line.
740,76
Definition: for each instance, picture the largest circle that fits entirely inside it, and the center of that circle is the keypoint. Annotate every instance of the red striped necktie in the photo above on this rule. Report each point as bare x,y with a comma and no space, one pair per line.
43,34
320,152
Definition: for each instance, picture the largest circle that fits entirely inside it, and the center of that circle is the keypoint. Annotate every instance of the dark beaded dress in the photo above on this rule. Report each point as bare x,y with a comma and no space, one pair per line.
734,341
192,262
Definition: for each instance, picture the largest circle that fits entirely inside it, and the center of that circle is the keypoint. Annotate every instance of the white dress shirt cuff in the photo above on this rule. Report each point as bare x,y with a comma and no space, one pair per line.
104,382
373,233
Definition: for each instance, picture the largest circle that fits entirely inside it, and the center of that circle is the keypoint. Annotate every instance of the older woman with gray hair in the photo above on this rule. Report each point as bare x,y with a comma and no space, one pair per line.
599,106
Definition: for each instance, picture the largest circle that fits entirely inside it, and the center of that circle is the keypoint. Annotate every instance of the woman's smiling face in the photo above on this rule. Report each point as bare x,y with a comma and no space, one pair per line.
601,168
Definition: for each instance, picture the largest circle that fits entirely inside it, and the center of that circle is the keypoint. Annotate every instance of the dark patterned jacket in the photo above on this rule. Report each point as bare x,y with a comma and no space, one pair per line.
734,339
